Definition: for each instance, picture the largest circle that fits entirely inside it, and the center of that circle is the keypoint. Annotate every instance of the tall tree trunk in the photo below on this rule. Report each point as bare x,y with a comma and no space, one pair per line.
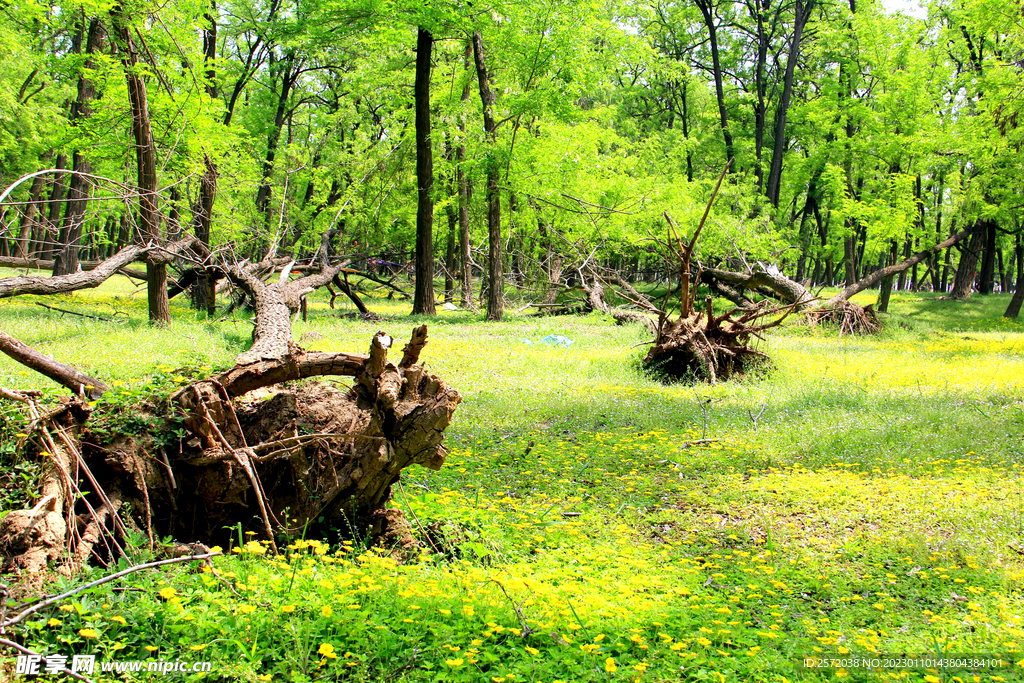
760,87
29,221
49,236
936,267
204,290
145,156
210,50
901,281
450,264
1006,271
947,258
288,76
802,15
495,278
686,129
423,298
465,259
66,260
986,282
886,289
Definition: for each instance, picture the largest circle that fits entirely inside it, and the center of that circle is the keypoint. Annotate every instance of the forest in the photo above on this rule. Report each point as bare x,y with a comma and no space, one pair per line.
643,340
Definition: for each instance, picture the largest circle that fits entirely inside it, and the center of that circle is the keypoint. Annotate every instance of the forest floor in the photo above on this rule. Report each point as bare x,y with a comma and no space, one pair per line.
864,499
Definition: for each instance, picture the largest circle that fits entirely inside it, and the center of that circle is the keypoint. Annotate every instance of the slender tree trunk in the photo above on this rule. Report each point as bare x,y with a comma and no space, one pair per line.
986,283
49,236
936,264
204,290
686,129
1013,310
947,258
450,265
901,280
145,155
496,280
210,50
760,87
886,290
802,15
28,218
707,10
1007,271
66,260
465,259
288,77
423,298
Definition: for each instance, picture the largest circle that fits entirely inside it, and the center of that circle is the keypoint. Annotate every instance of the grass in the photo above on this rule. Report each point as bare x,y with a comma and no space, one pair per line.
863,499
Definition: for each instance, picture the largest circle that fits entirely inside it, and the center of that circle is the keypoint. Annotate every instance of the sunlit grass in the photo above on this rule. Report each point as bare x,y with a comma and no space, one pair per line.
650,532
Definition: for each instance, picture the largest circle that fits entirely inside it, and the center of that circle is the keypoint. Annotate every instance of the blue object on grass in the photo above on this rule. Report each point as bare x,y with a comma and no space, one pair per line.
556,340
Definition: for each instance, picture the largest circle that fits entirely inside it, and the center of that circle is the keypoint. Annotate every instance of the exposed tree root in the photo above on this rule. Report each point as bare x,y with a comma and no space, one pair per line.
847,317
704,347
247,446
279,460
699,346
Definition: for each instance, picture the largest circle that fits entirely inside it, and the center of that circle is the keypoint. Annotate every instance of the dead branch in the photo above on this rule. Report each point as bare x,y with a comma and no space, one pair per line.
62,374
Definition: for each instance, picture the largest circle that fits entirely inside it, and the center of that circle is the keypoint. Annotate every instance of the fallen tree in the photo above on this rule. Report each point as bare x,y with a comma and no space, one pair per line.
851,318
42,264
593,287
877,276
761,277
246,446
84,279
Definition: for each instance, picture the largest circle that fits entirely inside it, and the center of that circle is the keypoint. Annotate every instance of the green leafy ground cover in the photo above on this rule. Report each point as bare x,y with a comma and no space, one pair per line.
864,498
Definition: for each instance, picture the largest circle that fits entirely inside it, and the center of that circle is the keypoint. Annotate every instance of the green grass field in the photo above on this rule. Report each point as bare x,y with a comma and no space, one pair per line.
863,500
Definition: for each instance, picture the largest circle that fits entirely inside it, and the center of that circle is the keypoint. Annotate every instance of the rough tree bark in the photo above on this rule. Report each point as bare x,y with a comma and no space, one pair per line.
967,269
762,276
204,289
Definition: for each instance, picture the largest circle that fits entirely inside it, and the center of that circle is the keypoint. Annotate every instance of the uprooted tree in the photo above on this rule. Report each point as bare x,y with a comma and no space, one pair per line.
700,345
838,311
252,445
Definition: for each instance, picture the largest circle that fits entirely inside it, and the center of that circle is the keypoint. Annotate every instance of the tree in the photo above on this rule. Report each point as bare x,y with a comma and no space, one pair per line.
495,277
423,301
